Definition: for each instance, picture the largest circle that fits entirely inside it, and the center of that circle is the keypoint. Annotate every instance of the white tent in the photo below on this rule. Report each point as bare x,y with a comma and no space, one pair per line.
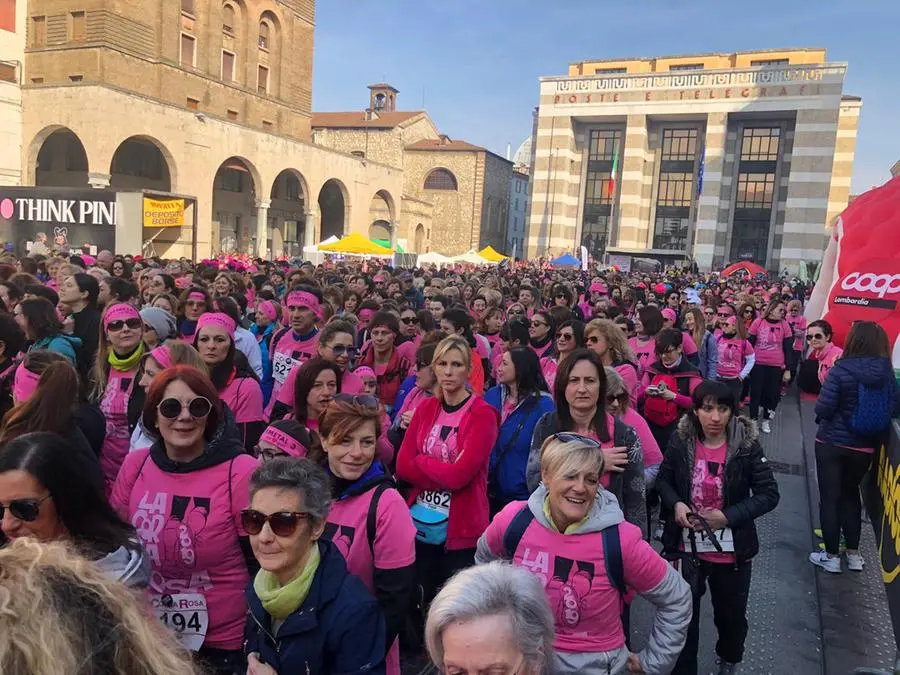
470,256
312,253
432,258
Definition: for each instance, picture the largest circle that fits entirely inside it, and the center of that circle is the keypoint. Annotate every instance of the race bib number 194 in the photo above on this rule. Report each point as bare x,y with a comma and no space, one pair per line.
186,615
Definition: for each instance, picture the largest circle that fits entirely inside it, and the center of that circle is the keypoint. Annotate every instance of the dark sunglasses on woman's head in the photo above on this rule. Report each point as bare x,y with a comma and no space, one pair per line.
340,350
170,408
116,326
365,400
410,320
283,523
815,336
569,437
26,510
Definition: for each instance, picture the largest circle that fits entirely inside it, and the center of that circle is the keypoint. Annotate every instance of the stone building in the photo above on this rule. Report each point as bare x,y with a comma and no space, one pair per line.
209,99
705,157
12,54
455,194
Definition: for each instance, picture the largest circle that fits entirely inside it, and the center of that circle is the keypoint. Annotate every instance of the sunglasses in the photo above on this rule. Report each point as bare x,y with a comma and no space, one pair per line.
560,295
365,400
410,320
538,324
710,313
815,336
26,510
340,350
722,316
564,336
171,408
195,303
618,397
116,326
568,437
516,311
283,523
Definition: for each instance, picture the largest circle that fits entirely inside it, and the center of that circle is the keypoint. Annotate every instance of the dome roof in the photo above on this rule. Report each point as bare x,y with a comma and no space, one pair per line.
523,154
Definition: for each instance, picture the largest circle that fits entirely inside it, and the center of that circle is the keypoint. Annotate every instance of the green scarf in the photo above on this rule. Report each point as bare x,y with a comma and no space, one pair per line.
281,601
127,363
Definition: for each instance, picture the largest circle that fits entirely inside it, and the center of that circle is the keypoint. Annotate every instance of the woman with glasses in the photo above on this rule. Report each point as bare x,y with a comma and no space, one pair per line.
54,491
444,458
382,356
229,370
821,349
620,406
516,311
541,332
573,536
410,334
736,356
369,521
580,396
797,322
771,337
747,313
194,302
723,311
307,612
569,337
114,379
709,317
607,340
284,438
715,480
184,496
521,399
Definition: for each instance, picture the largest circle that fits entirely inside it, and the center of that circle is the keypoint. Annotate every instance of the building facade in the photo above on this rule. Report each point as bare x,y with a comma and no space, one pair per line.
707,157
209,99
518,209
12,55
455,194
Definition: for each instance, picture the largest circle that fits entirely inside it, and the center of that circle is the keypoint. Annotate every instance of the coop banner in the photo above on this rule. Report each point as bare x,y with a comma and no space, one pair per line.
163,212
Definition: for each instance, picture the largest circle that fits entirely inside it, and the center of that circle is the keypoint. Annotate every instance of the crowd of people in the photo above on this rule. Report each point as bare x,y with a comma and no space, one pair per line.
262,468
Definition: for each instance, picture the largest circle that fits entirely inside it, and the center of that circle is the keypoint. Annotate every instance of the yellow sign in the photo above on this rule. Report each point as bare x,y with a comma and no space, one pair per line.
163,212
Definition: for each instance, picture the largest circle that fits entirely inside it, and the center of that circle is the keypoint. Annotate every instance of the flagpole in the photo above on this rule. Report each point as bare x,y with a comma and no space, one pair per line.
612,203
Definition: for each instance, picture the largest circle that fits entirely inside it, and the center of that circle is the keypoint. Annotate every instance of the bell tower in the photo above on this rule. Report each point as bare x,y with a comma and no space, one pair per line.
382,98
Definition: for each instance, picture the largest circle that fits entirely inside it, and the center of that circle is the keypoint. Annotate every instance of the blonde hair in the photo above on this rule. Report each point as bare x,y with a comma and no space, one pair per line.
457,342
616,342
559,458
59,613
698,334
182,354
100,368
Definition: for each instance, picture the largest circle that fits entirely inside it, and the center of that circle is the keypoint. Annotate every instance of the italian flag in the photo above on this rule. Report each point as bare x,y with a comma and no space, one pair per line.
613,174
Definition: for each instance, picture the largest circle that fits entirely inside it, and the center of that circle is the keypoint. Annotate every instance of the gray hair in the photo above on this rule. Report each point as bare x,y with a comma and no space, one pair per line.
298,474
615,385
496,588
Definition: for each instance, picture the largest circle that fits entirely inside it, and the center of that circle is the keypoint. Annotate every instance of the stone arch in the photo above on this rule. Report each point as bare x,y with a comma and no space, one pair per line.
234,206
419,241
288,206
334,209
142,162
380,231
57,157
381,217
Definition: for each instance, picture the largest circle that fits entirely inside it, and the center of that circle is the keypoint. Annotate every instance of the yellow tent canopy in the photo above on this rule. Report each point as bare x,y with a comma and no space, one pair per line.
355,244
489,254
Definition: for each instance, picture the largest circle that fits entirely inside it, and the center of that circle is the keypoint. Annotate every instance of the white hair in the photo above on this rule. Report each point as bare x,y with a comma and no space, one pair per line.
493,589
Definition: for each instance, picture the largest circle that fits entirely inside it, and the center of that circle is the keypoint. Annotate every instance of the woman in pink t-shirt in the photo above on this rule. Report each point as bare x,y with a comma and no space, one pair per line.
236,382
618,403
569,337
648,321
369,521
715,479
566,535
822,350
772,339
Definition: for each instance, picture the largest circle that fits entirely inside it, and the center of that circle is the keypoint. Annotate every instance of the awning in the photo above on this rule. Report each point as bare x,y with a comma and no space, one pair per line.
355,244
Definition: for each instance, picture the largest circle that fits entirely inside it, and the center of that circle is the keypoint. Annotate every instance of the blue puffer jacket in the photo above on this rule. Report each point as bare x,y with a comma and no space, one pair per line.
339,628
509,458
839,394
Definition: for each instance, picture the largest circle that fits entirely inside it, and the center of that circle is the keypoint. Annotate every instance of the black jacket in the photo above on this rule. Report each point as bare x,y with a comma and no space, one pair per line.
87,327
749,484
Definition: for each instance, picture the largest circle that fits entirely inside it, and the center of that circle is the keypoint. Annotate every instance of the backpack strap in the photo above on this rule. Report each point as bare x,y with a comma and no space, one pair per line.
516,531
372,515
612,558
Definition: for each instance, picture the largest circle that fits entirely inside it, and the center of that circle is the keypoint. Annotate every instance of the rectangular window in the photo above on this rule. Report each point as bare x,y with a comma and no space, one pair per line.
8,72
755,191
610,71
670,233
37,80
675,189
232,114
604,144
760,144
76,78
262,80
188,56
38,31
771,62
686,66
78,26
598,189
187,6
193,103
227,66
679,145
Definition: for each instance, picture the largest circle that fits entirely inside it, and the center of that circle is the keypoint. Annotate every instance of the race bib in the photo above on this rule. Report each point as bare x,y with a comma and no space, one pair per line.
186,615
704,545
436,501
281,367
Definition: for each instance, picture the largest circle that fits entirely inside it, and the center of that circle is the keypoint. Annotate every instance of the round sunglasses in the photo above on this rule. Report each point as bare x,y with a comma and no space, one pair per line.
198,408
815,336
26,510
283,523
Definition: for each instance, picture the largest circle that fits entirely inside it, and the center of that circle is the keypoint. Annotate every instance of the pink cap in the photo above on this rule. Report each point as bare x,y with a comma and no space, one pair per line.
660,288
216,320
669,314
120,312
25,383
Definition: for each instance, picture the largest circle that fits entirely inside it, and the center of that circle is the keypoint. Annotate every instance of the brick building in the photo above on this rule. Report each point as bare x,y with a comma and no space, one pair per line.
205,98
705,157
12,54
455,194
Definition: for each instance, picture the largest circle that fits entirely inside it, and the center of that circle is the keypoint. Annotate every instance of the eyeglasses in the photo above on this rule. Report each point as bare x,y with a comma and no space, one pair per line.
516,311
267,453
560,295
410,320
198,408
749,310
365,400
709,313
340,350
116,326
815,336
26,510
283,523
565,336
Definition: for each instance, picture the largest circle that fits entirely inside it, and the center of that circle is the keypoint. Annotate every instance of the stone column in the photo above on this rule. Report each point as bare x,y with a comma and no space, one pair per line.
99,180
262,228
627,229
714,191
311,228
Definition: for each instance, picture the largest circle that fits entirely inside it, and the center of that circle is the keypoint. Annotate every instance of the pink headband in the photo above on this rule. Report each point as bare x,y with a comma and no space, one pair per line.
217,320
120,312
364,371
196,295
267,309
161,356
305,299
283,442
24,383
366,314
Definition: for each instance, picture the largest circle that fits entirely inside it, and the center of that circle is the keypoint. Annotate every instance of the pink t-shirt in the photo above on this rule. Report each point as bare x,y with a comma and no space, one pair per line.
542,351
707,488
394,545
441,441
189,524
644,350
289,353
733,353
549,366
573,571
798,326
769,338
351,383
114,406
509,404
408,349
629,374
652,455
244,396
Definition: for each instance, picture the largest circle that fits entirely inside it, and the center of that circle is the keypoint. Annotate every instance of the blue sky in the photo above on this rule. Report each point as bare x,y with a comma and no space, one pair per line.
477,63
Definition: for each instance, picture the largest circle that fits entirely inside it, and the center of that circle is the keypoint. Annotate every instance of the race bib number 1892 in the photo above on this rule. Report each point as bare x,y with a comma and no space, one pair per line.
186,615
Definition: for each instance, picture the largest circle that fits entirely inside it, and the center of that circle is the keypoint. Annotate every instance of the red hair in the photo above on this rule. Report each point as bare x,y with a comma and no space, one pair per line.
196,381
